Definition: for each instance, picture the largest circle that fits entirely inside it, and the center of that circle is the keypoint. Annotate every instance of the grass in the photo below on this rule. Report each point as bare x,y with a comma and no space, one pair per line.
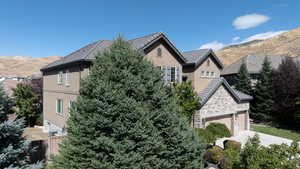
289,134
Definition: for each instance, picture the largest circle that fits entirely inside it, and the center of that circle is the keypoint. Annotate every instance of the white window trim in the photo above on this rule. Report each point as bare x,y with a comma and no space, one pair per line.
60,77
67,78
175,78
62,107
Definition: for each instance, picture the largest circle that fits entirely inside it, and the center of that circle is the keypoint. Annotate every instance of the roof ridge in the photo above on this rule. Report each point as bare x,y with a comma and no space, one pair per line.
197,50
146,36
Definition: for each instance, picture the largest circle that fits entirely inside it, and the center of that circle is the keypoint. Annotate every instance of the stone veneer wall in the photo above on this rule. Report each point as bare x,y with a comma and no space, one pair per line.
221,103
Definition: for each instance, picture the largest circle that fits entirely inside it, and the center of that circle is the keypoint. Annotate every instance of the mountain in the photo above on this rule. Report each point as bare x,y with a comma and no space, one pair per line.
287,43
21,66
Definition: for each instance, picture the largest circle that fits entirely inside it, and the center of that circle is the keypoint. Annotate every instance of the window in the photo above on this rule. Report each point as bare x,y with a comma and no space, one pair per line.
159,52
159,67
67,78
173,74
202,73
71,104
60,77
212,74
208,62
207,73
59,106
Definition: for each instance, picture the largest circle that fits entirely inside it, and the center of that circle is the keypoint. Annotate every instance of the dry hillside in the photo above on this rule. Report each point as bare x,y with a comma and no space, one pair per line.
287,43
23,66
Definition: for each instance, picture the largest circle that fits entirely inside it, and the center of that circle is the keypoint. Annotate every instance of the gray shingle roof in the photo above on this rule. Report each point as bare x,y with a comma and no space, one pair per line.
88,52
197,57
215,84
253,63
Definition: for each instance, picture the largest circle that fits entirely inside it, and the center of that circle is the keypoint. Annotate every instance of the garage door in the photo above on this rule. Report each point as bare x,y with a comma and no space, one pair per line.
241,120
227,120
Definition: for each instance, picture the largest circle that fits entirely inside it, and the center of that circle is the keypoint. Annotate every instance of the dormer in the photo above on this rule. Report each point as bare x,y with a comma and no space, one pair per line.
201,67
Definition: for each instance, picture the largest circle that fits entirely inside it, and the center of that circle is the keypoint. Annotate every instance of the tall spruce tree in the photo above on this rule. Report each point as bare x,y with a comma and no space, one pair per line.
125,117
14,149
243,80
262,105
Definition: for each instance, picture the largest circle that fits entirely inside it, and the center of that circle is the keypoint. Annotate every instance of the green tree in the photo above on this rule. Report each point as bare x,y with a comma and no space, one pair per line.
255,156
286,91
26,103
14,149
6,104
125,117
188,100
243,80
262,105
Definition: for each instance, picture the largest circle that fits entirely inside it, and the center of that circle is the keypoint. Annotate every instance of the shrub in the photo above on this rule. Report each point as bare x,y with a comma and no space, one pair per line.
206,135
231,159
214,155
231,144
219,130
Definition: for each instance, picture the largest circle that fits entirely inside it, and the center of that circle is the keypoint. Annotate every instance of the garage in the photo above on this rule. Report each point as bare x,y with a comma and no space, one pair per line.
225,119
242,120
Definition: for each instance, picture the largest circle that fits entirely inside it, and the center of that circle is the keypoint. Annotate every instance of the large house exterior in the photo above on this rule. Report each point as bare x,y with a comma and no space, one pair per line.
220,103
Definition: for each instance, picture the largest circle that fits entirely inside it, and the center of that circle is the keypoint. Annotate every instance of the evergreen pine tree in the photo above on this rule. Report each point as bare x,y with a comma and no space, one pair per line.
14,149
262,105
243,80
125,117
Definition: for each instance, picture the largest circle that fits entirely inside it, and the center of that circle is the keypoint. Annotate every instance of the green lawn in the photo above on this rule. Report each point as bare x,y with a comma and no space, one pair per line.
289,134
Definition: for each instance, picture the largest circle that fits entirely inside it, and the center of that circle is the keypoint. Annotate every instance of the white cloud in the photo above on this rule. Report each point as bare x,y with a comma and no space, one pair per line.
249,21
262,36
215,45
235,39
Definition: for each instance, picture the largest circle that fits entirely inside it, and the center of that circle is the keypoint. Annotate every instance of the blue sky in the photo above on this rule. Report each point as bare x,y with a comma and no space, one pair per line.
37,28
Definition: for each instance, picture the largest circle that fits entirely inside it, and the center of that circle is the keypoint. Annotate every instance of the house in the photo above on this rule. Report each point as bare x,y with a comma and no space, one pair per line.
254,64
219,101
62,80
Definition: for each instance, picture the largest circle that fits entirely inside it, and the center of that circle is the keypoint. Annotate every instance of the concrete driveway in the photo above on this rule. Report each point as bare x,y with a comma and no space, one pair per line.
265,139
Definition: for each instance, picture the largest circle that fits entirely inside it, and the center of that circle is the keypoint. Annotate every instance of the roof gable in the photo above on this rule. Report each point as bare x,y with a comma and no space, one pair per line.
196,57
88,52
208,92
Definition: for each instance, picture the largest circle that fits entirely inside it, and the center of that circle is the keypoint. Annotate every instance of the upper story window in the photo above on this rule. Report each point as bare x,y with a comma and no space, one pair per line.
60,77
202,73
67,78
59,107
212,74
159,52
208,62
207,73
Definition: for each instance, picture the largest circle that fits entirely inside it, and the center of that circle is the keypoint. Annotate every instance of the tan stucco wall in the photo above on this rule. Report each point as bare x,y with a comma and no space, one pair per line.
50,107
52,90
201,83
166,59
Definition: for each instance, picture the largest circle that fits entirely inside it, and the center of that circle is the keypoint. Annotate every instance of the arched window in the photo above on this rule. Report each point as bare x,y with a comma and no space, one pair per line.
208,62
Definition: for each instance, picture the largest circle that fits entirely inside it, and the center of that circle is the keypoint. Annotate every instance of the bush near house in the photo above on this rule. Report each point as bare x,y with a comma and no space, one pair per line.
254,156
213,131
